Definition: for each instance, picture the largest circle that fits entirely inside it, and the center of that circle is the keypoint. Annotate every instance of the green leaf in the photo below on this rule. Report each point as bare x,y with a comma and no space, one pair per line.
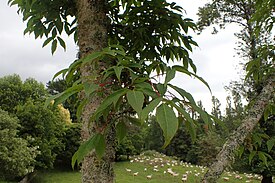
241,151
150,92
167,121
143,85
84,149
80,108
63,72
185,71
182,111
262,156
182,70
50,99
107,102
100,145
47,41
266,114
90,88
270,143
121,131
269,110
149,108
54,46
134,121
136,100
67,93
62,43
66,28
192,130
256,138
71,70
75,34
61,97
251,156
118,70
204,115
169,75
74,159
184,94
141,80
59,25
189,122
91,57
54,32
161,88
193,66
219,122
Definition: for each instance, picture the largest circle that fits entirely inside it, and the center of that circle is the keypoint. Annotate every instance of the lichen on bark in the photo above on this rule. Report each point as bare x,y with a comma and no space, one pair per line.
92,37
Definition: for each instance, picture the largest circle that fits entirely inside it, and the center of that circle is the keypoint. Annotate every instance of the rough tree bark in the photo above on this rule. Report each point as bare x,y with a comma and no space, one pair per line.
92,36
255,113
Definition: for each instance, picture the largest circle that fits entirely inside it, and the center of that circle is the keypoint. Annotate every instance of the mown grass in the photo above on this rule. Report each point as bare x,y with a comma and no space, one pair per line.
144,165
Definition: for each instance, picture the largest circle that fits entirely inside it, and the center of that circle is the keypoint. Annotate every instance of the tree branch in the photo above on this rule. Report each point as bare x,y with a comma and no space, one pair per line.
226,155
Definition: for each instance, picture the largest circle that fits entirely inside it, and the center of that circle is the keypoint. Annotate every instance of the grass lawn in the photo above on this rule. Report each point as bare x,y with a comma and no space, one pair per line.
156,166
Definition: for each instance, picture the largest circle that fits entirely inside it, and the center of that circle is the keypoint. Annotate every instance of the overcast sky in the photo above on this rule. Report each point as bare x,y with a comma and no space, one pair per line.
23,55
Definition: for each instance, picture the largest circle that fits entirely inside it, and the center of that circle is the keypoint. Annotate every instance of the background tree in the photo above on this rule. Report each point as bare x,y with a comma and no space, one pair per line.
44,128
180,145
258,66
17,158
121,43
154,135
132,143
205,148
13,91
216,107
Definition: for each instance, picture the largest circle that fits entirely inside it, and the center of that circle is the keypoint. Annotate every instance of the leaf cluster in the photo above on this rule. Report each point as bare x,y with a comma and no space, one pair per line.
264,14
139,94
48,19
16,157
151,30
144,36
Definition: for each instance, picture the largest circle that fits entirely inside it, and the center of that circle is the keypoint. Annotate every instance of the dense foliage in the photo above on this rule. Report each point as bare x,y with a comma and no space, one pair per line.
13,91
17,158
44,127
46,133
70,140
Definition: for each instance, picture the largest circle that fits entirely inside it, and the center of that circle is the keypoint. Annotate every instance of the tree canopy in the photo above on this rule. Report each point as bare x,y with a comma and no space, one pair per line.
124,47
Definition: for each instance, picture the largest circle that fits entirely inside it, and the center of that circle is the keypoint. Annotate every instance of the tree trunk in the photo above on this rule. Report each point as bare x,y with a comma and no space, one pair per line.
92,36
266,179
226,155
